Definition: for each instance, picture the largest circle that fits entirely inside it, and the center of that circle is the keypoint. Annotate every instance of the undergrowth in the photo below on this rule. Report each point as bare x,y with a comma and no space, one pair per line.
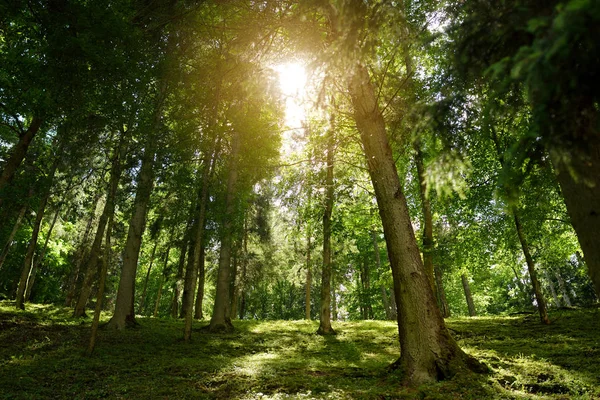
42,357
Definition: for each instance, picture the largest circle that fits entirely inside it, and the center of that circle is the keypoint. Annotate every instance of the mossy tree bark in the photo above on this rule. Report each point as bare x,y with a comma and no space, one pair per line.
428,352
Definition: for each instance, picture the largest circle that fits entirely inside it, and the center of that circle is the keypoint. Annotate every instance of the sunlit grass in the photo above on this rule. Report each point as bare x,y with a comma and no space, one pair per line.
42,356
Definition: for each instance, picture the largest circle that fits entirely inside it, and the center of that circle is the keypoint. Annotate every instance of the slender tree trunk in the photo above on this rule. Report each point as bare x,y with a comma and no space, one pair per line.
468,295
444,308
79,257
101,286
195,255
124,314
552,289
537,289
234,287
366,289
384,297
242,281
178,285
145,287
522,288
12,234
563,288
220,320
334,310
162,276
428,352
393,306
109,210
39,259
325,312
27,263
308,280
427,218
19,151
198,313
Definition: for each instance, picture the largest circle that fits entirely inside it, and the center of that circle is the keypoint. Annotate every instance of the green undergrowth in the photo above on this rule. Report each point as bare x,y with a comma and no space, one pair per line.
42,357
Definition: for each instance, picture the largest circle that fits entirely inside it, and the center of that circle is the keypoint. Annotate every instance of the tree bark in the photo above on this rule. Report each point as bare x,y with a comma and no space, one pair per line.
428,352
145,287
325,327
101,286
198,312
537,289
552,289
12,234
444,308
178,284
109,210
308,284
220,320
387,307
124,314
468,295
19,151
579,179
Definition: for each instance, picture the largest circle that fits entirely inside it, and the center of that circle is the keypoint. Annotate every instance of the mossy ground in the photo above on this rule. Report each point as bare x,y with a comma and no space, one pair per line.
42,356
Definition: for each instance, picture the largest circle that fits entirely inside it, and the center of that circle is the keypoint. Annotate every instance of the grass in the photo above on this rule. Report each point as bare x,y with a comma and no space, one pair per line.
42,357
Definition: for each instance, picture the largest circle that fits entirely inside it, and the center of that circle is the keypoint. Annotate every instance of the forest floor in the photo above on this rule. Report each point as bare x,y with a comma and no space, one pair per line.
42,357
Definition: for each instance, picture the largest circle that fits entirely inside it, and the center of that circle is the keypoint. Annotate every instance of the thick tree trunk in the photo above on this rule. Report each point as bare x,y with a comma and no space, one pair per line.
220,320
40,257
563,288
427,218
308,283
101,286
428,352
19,151
124,314
468,295
579,180
27,263
145,287
537,289
444,308
12,234
325,310
109,210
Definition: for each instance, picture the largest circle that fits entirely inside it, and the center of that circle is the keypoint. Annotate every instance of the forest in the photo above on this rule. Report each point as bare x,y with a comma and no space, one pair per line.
329,199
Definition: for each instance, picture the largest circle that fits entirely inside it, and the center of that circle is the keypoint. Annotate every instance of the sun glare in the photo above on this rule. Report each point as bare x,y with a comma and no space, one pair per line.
292,82
292,78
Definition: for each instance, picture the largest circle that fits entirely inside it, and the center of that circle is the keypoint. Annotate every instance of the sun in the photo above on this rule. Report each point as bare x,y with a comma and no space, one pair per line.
292,78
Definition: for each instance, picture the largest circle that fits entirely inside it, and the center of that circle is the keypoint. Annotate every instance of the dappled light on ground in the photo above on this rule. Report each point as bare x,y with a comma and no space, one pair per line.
42,357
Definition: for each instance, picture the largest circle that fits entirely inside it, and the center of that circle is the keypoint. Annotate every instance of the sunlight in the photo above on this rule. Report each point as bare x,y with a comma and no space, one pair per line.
292,82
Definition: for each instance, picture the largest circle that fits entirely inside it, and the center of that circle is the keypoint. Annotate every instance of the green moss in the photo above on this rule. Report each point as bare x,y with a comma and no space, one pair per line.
42,357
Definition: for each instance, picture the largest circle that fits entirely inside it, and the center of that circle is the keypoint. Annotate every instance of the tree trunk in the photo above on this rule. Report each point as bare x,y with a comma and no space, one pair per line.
563,288
145,287
334,310
526,294
79,257
101,286
308,280
12,234
427,218
579,180
428,352
109,210
19,151
198,312
366,289
178,285
39,259
27,263
468,296
220,320
444,308
325,311
233,294
242,280
124,314
537,289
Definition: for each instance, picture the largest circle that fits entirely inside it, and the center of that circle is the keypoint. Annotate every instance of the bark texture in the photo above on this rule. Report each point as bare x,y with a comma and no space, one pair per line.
428,352
19,151
443,302
220,320
427,218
